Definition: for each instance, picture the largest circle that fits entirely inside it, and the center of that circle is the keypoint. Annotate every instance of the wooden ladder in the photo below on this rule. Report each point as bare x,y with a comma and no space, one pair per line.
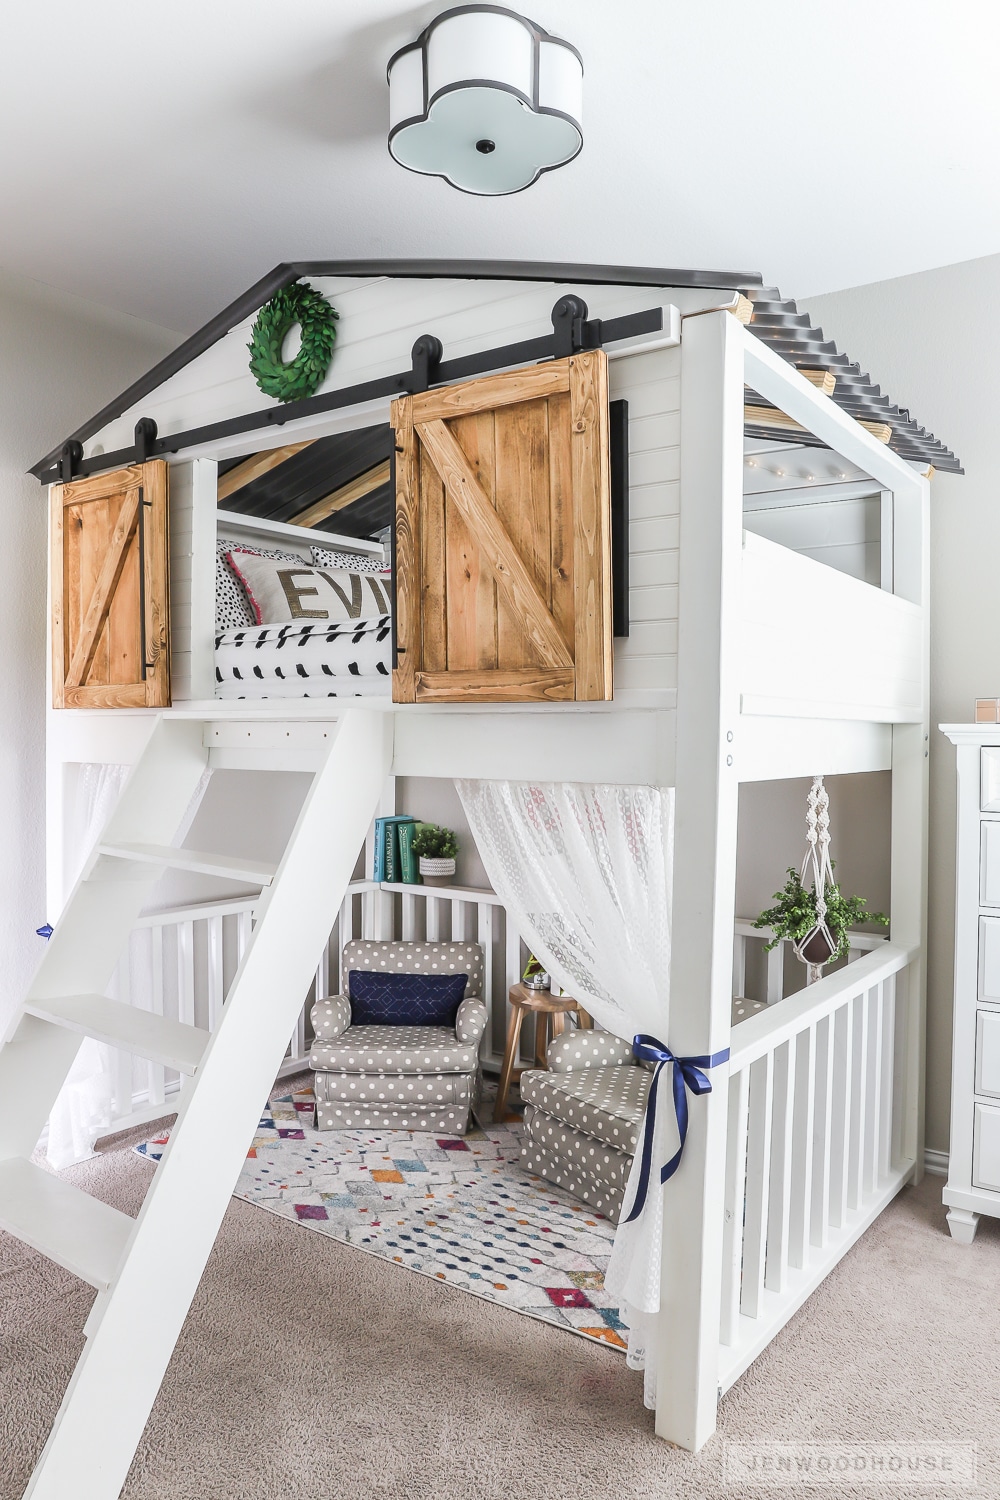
146,1270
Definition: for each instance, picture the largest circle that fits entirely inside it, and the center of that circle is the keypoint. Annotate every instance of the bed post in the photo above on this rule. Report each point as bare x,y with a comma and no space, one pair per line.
705,861
910,749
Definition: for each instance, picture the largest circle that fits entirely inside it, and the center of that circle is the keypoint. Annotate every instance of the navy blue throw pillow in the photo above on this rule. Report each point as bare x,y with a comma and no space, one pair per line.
381,999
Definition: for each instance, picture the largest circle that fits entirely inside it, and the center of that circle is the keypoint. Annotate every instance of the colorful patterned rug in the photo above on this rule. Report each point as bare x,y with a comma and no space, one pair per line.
459,1210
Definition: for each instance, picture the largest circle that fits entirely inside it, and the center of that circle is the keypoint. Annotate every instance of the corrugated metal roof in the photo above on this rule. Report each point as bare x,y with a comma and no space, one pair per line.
777,322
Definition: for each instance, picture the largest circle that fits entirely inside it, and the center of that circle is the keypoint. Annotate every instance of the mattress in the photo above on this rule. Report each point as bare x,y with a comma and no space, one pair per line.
349,659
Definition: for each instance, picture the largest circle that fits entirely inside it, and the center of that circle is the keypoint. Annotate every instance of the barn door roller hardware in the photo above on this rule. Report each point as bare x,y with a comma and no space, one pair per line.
145,439
572,332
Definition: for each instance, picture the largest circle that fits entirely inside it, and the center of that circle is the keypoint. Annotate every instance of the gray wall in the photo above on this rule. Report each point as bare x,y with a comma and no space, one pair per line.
60,359
931,341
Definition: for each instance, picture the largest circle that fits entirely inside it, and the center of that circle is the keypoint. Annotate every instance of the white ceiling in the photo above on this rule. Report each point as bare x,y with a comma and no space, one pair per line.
160,157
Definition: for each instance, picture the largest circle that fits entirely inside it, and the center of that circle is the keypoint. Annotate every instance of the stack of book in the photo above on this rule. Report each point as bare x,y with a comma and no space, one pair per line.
395,861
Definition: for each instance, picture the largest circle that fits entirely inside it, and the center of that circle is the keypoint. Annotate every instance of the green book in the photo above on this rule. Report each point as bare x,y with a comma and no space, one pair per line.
409,872
393,865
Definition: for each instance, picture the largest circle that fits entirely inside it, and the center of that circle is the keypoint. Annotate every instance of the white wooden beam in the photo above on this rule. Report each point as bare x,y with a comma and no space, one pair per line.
777,749
627,748
705,858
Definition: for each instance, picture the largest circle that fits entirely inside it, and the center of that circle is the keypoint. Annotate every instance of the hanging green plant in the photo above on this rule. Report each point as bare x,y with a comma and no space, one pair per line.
299,377
795,915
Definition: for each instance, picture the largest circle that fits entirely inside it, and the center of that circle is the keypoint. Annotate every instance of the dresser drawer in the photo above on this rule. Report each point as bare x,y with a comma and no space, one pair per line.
989,778
989,862
986,1148
988,1053
989,960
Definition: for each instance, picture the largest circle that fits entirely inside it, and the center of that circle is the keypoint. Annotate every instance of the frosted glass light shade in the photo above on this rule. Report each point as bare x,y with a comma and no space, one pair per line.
485,99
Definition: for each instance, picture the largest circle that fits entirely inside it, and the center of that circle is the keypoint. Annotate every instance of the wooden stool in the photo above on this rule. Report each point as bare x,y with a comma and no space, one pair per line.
550,1013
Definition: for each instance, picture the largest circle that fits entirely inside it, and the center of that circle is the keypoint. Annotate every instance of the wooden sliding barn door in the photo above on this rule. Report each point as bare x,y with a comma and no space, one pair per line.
110,629
503,539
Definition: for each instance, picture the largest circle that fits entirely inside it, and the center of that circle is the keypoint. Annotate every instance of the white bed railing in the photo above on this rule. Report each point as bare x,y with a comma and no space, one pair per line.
815,1143
181,963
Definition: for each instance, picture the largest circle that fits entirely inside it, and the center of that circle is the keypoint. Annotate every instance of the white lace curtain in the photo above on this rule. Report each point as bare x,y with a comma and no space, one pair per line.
585,875
85,1106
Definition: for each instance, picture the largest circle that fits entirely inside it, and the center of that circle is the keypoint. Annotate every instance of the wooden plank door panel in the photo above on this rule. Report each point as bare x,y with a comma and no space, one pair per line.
503,566
110,625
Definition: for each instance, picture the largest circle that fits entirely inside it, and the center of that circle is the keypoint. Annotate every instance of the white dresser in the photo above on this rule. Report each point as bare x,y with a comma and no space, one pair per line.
974,1165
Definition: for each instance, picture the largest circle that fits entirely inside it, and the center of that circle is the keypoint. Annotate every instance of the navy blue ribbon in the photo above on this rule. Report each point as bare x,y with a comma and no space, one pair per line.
688,1073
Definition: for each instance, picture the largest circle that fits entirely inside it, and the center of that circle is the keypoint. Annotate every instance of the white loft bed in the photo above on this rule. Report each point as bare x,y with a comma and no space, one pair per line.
722,680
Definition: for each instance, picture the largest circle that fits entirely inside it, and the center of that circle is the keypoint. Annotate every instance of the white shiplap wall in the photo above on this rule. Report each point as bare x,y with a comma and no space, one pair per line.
650,383
192,578
380,320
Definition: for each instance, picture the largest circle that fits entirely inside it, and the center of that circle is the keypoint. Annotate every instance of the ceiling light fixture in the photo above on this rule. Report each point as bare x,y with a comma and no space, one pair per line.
485,99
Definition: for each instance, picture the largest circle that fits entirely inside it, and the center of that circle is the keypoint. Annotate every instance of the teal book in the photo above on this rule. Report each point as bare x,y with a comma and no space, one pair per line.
409,873
387,846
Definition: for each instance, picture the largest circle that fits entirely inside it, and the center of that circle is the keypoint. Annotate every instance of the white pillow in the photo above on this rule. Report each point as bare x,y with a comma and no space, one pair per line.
280,591
348,562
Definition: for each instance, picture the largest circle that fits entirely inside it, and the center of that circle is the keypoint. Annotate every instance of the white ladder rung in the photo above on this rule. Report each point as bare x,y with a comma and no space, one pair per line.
156,1038
78,1232
229,866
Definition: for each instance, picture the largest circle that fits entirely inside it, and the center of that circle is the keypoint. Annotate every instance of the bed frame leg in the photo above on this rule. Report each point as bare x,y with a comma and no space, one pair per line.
707,781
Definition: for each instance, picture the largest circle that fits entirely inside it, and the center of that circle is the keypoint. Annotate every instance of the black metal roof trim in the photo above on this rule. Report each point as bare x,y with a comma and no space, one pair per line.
777,322
473,270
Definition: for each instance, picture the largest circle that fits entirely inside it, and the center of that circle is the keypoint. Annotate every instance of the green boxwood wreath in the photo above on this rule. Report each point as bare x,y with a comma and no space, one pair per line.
301,376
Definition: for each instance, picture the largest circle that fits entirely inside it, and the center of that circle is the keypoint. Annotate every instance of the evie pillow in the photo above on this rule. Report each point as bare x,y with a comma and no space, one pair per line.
280,591
379,999
349,562
232,607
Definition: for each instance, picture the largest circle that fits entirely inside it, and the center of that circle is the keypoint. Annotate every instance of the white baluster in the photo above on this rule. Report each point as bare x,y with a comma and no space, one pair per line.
776,974
890,1077
155,1071
873,1098
800,1207
843,1023
758,1161
780,1188
434,919
735,1200
859,1101
409,915
216,979
820,1214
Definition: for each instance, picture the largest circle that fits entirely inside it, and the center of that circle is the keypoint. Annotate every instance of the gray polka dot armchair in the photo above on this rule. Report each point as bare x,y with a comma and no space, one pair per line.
583,1116
400,1077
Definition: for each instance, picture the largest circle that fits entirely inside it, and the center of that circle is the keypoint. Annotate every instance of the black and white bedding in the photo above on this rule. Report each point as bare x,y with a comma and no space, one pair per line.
343,659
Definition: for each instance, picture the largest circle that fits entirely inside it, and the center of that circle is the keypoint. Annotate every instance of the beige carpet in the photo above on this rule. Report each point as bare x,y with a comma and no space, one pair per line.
306,1369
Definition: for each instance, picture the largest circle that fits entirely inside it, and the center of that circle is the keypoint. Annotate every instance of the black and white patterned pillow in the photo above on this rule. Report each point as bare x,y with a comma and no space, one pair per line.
232,607
348,562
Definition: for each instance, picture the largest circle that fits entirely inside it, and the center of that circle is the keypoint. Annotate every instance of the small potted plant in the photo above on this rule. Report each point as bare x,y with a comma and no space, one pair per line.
436,849
819,937
535,977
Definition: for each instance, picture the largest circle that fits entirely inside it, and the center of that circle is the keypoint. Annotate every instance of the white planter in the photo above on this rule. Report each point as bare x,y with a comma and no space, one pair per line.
436,871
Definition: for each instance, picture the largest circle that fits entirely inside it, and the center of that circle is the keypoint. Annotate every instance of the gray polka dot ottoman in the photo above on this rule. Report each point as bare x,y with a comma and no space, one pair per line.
583,1116
400,1077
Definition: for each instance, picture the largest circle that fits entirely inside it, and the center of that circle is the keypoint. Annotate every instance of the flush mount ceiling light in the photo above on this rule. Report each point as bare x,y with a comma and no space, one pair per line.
485,99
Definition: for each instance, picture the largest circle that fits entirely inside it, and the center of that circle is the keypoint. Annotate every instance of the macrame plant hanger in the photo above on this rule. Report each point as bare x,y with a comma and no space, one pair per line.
819,939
